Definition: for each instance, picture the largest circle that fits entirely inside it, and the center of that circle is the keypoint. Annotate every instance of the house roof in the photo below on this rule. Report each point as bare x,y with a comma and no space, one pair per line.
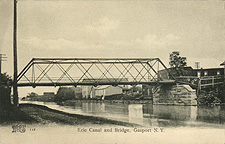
208,69
105,87
172,68
104,80
102,87
222,63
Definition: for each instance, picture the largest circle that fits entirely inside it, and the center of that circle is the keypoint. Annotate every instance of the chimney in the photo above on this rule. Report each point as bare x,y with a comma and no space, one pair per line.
197,65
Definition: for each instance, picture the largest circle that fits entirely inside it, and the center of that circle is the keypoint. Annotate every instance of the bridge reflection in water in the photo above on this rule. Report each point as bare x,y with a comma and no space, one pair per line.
148,114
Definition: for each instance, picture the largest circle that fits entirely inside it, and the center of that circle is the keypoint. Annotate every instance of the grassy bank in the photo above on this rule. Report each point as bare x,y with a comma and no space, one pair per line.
37,114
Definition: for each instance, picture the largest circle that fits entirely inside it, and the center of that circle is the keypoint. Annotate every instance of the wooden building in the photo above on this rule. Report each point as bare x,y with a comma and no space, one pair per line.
208,72
185,71
106,90
189,71
87,91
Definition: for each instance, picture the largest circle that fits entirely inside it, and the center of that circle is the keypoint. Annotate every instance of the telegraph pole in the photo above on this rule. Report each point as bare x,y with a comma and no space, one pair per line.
1,59
15,89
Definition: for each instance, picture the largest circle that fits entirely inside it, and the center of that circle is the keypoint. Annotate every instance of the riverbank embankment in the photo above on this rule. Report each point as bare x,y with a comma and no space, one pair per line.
37,114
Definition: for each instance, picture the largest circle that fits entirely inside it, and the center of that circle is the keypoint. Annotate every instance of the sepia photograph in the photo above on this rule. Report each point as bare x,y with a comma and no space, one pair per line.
112,71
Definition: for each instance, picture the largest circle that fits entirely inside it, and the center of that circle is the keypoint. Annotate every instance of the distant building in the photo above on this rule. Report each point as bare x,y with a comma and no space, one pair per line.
49,94
189,71
88,91
164,74
106,90
147,90
77,92
32,94
46,97
208,72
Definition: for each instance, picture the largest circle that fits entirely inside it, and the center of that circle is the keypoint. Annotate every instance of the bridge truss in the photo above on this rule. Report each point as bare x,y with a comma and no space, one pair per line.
91,71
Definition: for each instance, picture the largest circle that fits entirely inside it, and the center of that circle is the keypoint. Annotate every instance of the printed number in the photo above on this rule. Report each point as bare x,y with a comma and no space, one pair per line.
19,128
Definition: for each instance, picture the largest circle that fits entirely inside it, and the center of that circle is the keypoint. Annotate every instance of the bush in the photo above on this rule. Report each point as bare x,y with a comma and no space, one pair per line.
5,91
206,98
67,93
221,93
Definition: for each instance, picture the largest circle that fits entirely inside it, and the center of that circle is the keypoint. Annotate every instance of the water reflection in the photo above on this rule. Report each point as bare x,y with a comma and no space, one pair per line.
148,114
135,113
213,114
94,108
193,114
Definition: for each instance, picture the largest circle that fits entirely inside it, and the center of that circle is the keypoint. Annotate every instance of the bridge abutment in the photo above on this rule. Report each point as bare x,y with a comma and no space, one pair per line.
174,94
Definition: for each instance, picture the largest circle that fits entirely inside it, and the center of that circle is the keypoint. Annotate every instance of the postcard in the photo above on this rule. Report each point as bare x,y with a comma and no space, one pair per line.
112,71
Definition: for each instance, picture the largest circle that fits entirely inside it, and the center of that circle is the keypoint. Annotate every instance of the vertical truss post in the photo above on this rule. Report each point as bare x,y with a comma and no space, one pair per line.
170,75
33,75
158,70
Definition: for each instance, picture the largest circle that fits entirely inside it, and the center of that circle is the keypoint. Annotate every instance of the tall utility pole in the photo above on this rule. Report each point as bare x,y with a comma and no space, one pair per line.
15,89
1,59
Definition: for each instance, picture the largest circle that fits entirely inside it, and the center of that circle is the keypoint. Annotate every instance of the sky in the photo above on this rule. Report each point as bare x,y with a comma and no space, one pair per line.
113,29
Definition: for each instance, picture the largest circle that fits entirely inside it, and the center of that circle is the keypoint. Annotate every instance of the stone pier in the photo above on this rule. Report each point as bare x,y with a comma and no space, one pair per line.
171,94
175,94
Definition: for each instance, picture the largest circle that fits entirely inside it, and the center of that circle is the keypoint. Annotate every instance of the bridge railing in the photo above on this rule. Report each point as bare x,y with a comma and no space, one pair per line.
211,81
192,80
202,82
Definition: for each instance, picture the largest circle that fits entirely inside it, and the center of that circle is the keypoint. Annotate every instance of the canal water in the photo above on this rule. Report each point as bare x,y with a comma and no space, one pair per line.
147,114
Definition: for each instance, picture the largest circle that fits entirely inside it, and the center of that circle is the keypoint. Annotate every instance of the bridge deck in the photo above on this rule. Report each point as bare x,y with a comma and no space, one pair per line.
95,84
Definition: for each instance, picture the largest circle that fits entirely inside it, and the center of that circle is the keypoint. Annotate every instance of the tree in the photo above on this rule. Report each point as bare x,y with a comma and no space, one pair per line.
65,93
5,91
176,60
177,64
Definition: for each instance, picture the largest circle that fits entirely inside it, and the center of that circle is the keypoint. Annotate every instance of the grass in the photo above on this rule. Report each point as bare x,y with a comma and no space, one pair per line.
14,115
31,114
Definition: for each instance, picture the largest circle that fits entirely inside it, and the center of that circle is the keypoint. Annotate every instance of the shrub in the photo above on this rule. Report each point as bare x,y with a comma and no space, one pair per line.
67,93
5,91
206,98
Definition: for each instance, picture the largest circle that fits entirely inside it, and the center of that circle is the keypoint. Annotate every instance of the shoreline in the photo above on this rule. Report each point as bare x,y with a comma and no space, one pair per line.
38,114
129,102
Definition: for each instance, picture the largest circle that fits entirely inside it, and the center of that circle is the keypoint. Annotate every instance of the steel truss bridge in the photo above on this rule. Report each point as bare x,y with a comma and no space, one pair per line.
92,71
